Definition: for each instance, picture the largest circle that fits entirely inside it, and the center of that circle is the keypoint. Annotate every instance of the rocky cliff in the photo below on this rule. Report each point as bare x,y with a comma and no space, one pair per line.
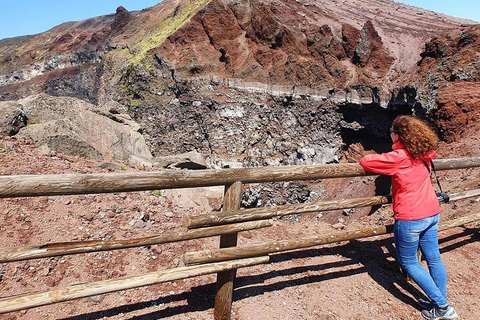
257,82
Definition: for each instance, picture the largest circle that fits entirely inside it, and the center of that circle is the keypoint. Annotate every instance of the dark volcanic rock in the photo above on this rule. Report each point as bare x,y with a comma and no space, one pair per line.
250,83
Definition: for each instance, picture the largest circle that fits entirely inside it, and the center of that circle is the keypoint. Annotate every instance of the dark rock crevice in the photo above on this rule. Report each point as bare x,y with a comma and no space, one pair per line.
19,121
367,125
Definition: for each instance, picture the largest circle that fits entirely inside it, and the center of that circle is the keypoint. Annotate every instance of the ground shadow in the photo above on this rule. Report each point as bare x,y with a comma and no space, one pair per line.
368,254
199,298
382,188
473,233
383,268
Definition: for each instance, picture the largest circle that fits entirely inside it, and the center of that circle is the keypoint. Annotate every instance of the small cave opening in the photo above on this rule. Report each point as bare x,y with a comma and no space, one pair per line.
277,42
224,57
368,125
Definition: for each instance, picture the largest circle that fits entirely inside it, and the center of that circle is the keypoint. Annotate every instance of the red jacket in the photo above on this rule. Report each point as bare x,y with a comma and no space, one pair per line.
413,195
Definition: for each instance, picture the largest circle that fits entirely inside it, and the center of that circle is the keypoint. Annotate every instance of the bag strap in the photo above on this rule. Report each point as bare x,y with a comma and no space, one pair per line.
436,177
434,173
441,196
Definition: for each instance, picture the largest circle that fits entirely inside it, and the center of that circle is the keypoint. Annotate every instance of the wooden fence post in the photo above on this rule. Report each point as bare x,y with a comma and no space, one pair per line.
225,279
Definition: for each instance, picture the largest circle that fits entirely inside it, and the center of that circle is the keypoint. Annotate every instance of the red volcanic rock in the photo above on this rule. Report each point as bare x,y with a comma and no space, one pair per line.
458,107
122,18
454,54
450,71
323,41
350,36
371,55
65,38
368,43
318,46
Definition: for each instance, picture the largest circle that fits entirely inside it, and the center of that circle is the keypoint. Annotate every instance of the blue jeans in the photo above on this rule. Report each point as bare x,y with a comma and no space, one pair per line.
408,236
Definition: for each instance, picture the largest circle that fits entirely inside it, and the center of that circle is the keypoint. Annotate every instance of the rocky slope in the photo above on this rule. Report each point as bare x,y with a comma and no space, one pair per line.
253,82
244,83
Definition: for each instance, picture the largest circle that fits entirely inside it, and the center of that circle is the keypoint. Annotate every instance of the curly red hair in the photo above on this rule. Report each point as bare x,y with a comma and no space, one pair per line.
416,135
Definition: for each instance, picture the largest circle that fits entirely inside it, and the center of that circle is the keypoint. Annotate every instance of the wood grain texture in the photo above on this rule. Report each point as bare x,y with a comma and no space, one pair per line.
68,184
464,194
66,248
225,279
218,218
445,225
205,256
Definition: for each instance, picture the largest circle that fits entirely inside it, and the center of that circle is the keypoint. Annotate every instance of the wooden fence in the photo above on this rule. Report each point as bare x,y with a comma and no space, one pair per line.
225,260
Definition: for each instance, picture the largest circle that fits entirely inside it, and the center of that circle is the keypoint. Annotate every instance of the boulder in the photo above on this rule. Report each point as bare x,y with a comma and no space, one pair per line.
72,127
189,160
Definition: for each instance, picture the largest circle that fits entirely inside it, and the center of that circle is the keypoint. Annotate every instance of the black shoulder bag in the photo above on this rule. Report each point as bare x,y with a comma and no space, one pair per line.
441,196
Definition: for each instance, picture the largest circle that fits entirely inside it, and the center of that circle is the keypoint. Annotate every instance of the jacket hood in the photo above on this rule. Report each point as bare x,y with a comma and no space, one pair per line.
429,156
426,157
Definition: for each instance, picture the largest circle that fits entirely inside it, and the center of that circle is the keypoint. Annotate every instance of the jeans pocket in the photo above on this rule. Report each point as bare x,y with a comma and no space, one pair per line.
408,230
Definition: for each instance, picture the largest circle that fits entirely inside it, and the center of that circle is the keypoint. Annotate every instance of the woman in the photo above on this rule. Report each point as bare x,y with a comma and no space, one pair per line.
416,208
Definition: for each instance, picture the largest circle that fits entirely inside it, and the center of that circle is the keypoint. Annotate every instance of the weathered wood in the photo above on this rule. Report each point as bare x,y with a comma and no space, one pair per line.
464,195
205,256
456,163
445,225
31,300
66,248
66,184
197,257
225,217
225,279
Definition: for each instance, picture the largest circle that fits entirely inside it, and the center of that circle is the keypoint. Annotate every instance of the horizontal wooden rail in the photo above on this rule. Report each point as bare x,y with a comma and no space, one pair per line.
197,257
66,248
261,249
225,217
67,184
30,300
464,194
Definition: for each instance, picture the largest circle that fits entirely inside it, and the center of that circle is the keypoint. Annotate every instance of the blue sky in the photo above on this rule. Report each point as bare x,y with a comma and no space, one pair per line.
469,9
23,17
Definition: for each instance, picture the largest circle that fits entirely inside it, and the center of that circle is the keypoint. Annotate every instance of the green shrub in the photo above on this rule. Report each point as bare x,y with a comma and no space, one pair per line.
156,192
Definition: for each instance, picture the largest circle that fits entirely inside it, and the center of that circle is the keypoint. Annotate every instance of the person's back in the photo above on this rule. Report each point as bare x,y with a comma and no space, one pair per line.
416,209
412,193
